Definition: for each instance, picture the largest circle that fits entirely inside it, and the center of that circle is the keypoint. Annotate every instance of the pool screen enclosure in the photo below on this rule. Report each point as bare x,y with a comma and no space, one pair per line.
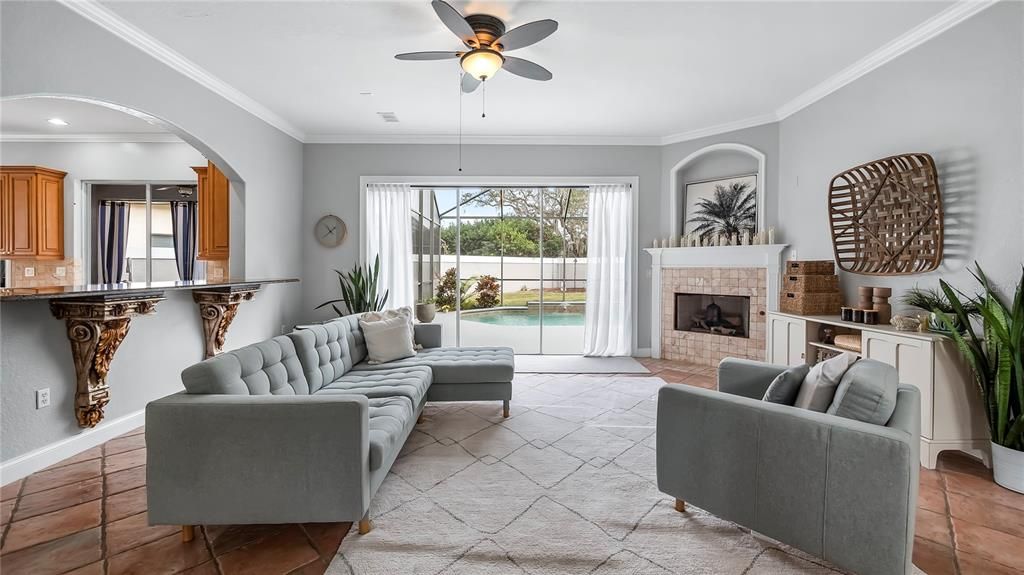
504,265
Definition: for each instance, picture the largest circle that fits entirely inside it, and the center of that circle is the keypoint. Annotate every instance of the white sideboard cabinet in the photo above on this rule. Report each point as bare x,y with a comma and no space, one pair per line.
952,415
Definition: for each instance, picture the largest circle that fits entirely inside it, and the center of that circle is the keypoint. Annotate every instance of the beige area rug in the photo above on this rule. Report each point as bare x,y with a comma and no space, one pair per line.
575,364
566,485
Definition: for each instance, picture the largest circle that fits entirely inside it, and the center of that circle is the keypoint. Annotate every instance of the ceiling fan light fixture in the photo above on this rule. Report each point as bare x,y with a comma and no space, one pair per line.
482,63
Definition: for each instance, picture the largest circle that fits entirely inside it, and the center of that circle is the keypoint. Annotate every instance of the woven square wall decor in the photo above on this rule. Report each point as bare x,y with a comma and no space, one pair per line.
886,216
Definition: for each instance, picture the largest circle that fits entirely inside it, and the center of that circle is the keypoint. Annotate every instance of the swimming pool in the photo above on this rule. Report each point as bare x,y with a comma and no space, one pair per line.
522,317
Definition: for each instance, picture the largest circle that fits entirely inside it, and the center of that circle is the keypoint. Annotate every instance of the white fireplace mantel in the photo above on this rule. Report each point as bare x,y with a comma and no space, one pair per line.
768,257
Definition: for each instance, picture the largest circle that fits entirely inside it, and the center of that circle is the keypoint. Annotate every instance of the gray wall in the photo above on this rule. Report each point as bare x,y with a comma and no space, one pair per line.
332,174
90,62
958,97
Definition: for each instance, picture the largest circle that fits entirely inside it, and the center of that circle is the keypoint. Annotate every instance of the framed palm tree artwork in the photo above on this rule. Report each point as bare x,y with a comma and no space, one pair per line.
724,206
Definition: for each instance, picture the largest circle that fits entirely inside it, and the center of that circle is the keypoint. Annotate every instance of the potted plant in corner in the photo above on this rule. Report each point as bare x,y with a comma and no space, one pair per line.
426,310
997,359
935,302
359,290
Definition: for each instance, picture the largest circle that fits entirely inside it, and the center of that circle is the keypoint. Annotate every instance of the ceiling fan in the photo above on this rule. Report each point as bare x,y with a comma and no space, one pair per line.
487,40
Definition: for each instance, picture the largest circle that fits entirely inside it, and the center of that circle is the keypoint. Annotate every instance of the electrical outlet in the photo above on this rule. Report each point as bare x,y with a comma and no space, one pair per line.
42,398
30,272
60,271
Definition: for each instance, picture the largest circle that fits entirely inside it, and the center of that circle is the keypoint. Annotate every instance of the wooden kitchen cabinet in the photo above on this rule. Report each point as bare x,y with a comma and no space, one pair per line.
31,213
214,213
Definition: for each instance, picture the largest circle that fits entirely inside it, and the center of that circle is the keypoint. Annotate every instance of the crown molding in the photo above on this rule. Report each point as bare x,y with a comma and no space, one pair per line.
930,28
92,10
484,140
719,129
100,15
111,138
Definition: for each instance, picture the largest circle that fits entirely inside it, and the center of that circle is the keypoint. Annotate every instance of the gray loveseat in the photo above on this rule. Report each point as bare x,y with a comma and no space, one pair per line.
299,428
837,488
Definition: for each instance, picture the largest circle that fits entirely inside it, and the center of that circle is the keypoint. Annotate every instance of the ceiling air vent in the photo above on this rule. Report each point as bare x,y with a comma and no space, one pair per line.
388,116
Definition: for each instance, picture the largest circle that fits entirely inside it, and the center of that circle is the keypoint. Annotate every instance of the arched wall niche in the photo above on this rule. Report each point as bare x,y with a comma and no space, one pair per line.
237,183
737,159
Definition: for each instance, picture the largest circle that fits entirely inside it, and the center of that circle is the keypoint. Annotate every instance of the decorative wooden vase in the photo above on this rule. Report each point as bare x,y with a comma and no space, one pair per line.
864,294
880,303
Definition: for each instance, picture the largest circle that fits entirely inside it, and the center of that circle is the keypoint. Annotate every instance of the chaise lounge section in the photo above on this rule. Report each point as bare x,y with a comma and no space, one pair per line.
299,428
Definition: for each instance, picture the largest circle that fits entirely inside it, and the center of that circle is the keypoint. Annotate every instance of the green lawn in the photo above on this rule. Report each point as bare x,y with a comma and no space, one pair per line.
519,298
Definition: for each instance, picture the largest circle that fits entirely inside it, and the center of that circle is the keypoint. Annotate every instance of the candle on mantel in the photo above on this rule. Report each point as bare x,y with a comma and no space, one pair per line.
771,235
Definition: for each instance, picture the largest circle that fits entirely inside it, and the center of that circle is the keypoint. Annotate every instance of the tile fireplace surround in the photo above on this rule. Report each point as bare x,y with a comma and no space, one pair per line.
752,271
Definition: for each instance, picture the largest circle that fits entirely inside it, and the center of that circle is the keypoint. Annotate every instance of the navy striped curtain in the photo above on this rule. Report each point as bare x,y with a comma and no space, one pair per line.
112,237
183,224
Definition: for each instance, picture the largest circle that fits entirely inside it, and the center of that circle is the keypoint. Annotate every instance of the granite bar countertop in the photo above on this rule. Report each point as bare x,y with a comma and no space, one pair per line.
128,289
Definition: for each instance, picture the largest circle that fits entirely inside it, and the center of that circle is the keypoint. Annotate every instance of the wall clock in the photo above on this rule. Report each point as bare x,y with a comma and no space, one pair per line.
330,231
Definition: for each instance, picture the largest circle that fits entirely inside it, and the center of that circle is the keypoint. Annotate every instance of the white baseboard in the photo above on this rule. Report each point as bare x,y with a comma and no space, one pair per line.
24,465
642,352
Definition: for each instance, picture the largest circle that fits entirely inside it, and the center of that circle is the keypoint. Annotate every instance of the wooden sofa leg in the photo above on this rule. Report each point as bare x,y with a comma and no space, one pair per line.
365,525
188,533
504,408
680,505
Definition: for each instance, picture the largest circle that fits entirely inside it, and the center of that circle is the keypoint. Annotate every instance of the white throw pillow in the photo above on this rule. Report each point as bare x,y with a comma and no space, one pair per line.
819,387
389,335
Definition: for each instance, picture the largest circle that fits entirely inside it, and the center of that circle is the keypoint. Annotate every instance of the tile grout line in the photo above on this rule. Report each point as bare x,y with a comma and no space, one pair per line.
17,504
209,546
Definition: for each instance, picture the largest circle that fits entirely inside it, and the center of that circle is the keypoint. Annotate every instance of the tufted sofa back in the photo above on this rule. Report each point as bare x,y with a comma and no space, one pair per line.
269,367
328,351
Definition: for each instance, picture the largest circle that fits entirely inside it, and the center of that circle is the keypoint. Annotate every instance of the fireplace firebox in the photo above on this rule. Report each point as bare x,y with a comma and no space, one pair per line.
727,315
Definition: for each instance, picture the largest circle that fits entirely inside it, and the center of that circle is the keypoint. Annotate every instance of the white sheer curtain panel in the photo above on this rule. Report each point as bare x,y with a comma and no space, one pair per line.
389,234
608,324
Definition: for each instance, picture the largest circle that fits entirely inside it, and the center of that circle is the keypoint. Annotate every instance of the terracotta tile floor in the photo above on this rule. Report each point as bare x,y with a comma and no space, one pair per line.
86,515
965,522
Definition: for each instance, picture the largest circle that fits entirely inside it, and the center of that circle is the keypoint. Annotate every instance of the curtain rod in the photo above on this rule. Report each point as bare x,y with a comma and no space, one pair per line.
508,186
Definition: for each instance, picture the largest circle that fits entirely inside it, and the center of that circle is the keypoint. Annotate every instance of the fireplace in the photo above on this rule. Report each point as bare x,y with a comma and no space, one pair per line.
720,314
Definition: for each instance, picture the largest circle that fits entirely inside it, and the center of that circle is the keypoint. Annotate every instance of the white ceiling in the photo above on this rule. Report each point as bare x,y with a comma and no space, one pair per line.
622,69
29,117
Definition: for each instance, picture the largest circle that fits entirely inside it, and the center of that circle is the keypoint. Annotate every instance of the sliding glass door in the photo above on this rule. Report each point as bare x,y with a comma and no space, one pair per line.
509,265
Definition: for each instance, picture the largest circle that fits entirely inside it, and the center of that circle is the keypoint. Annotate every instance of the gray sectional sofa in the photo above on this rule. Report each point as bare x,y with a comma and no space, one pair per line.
299,428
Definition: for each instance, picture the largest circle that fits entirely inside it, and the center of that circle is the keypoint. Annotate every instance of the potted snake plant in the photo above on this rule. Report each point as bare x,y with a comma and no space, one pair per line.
359,290
996,356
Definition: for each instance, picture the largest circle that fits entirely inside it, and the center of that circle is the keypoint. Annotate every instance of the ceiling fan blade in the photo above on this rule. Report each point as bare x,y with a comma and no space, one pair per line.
469,83
427,55
527,34
455,22
527,69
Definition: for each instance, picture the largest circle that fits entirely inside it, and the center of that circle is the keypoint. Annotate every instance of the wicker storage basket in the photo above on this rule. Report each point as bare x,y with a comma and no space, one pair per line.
810,267
848,341
811,303
811,284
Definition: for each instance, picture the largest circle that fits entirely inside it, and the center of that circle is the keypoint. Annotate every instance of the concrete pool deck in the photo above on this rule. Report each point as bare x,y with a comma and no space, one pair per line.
558,339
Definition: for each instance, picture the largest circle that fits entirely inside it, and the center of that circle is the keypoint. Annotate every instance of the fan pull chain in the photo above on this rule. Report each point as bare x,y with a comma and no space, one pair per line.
483,113
460,122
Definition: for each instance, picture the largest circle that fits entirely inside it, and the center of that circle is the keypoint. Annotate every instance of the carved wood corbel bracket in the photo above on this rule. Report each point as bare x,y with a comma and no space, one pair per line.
217,308
96,326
